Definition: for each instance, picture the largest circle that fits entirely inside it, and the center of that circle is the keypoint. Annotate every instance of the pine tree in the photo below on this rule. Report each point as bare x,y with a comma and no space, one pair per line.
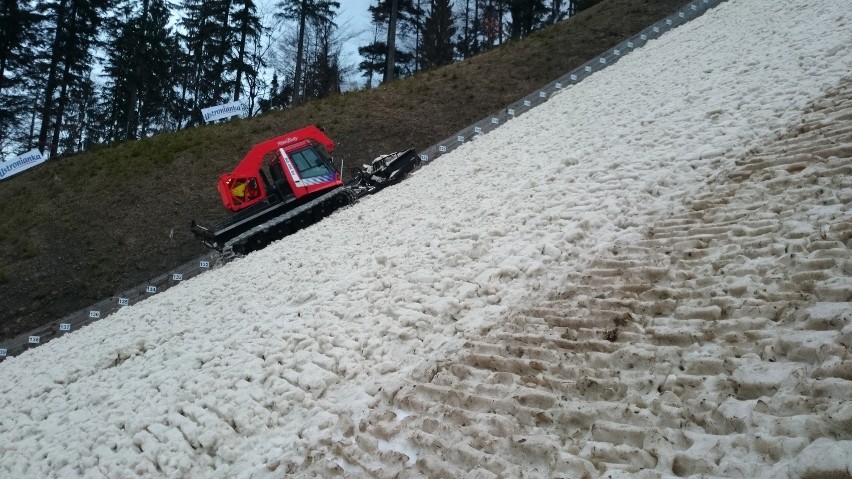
18,47
207,40
390,62
323,73
559,10
527,16
140,71
580,5
304,11
438,31
76,23
374,60
249,27
409,16
492,22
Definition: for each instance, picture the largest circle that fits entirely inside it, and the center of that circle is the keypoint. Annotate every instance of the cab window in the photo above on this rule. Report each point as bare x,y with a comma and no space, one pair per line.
310,164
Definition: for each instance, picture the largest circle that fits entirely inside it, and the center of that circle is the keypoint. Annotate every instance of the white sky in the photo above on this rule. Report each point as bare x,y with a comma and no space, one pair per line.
251,369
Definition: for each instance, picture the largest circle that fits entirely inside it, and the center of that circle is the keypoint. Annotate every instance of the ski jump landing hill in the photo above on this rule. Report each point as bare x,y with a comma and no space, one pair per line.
648,275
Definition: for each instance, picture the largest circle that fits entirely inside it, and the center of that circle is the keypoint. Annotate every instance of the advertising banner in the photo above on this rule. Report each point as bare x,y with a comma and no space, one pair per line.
20,163
222,111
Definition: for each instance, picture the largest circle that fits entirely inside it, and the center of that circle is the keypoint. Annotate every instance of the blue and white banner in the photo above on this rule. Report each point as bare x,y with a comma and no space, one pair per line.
222,111
20,163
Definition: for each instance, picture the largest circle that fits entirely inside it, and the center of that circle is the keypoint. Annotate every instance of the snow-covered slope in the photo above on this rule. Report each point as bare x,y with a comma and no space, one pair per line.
624,228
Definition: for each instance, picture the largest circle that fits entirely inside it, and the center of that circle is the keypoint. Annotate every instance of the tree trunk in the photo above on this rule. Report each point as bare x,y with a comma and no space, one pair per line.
242,51
474,45
66,80
417,40
223,47
390,66
133,100
31,137
50,86
500,20
60,111
466,29
300,52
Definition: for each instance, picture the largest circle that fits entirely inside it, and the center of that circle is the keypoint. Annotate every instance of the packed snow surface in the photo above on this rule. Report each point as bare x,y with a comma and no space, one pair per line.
321,353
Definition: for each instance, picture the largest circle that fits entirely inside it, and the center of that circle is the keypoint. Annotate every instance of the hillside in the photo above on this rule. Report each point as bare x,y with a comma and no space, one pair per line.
81,228
664,289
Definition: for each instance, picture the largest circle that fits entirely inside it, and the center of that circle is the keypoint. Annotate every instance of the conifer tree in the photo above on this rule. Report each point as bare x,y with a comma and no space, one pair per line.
18,50
75,25
140,71
249,27
409,17
438,31
304,11
526,17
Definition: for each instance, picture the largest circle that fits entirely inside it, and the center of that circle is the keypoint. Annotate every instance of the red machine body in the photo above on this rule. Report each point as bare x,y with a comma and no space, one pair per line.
295,164
287,183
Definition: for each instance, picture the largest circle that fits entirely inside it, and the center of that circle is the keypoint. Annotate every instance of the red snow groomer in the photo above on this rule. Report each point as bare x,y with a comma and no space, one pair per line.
290,182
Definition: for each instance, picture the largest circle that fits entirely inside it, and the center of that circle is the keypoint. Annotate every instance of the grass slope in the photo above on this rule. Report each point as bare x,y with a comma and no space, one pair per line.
81,228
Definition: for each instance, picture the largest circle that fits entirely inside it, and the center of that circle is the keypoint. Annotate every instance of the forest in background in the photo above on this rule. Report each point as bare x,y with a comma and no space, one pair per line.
78,74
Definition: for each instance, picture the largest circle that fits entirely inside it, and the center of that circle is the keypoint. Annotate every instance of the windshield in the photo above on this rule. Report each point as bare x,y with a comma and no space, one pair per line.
310,164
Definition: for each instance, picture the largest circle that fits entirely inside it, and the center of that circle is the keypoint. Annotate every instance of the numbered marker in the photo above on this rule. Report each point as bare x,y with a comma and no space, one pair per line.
177,277
151,289
558,86
442,149
35,339
65,327
460,139
527,103
669,21
693,7
2,353
588,68
681,15
602,61
542,94
424,158
495,121
629,44
123,301
573,77
477,130
656,29
204,264
643,37
511,111
94,314
616,52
